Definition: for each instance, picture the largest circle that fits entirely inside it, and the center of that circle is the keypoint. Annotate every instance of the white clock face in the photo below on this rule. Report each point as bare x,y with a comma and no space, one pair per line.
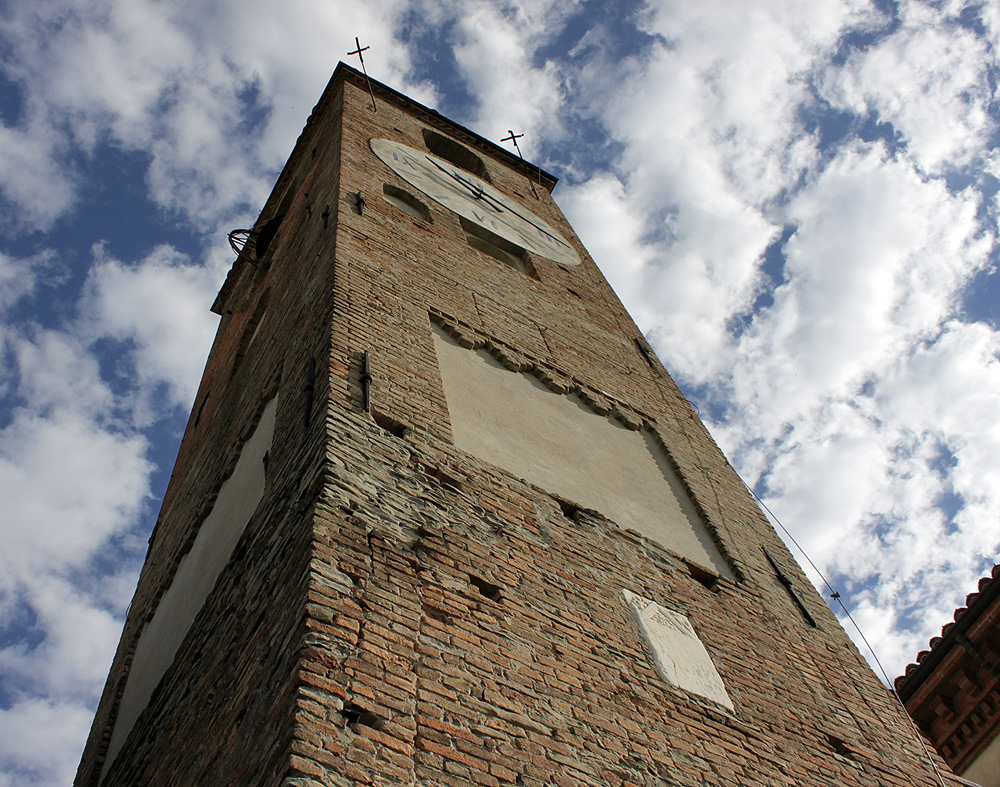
471,198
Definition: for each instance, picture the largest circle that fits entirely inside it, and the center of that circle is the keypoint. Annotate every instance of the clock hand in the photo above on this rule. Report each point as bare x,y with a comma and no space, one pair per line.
477,191
537,226
479,194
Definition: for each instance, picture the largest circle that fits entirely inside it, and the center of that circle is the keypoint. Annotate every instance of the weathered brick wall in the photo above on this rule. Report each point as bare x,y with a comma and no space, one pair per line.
550,682
401,612
226,705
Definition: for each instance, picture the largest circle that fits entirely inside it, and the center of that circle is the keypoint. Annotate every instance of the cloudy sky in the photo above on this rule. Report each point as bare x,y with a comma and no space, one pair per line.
796,199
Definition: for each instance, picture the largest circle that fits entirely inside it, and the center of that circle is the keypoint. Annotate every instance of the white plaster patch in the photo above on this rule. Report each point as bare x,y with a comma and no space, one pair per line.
194,579
680,656
557,442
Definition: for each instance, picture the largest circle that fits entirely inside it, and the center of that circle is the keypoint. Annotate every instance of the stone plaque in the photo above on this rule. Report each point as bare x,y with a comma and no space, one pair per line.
680,657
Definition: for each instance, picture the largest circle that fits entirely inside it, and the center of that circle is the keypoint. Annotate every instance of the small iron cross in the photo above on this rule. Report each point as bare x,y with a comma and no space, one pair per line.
361,57
514,138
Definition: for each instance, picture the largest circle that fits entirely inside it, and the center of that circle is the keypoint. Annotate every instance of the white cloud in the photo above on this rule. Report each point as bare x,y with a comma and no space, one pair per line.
71,662
68,485
732,79
950,388
989,15
855,383
494,52
844,449
40,741
34,177
161,304
294,47
73,472
19,280
877,262
19,276
74,484
710,122
57,375
930,79
610,226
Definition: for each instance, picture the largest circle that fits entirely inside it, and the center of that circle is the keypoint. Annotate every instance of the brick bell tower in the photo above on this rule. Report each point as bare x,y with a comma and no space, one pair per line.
440,517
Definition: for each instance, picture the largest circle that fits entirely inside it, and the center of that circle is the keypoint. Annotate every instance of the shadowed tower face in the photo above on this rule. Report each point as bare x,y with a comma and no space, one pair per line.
440,517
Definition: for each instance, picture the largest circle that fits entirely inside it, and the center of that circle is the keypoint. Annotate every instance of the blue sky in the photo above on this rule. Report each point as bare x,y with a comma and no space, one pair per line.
796,199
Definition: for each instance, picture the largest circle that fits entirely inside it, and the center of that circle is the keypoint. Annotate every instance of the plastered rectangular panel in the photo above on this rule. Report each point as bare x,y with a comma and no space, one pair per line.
680,656
195,577
558,443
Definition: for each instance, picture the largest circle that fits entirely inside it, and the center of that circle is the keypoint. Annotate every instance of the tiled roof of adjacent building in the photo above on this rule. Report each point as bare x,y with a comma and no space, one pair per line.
975,603
952,691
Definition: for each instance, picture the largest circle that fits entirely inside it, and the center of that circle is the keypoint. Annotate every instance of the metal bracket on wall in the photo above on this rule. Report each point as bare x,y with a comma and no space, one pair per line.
645,353
514,138
366,382
784,580
238,240
309,391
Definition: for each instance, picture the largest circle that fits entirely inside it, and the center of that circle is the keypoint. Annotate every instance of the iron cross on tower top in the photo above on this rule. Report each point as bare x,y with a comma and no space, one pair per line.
514,138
